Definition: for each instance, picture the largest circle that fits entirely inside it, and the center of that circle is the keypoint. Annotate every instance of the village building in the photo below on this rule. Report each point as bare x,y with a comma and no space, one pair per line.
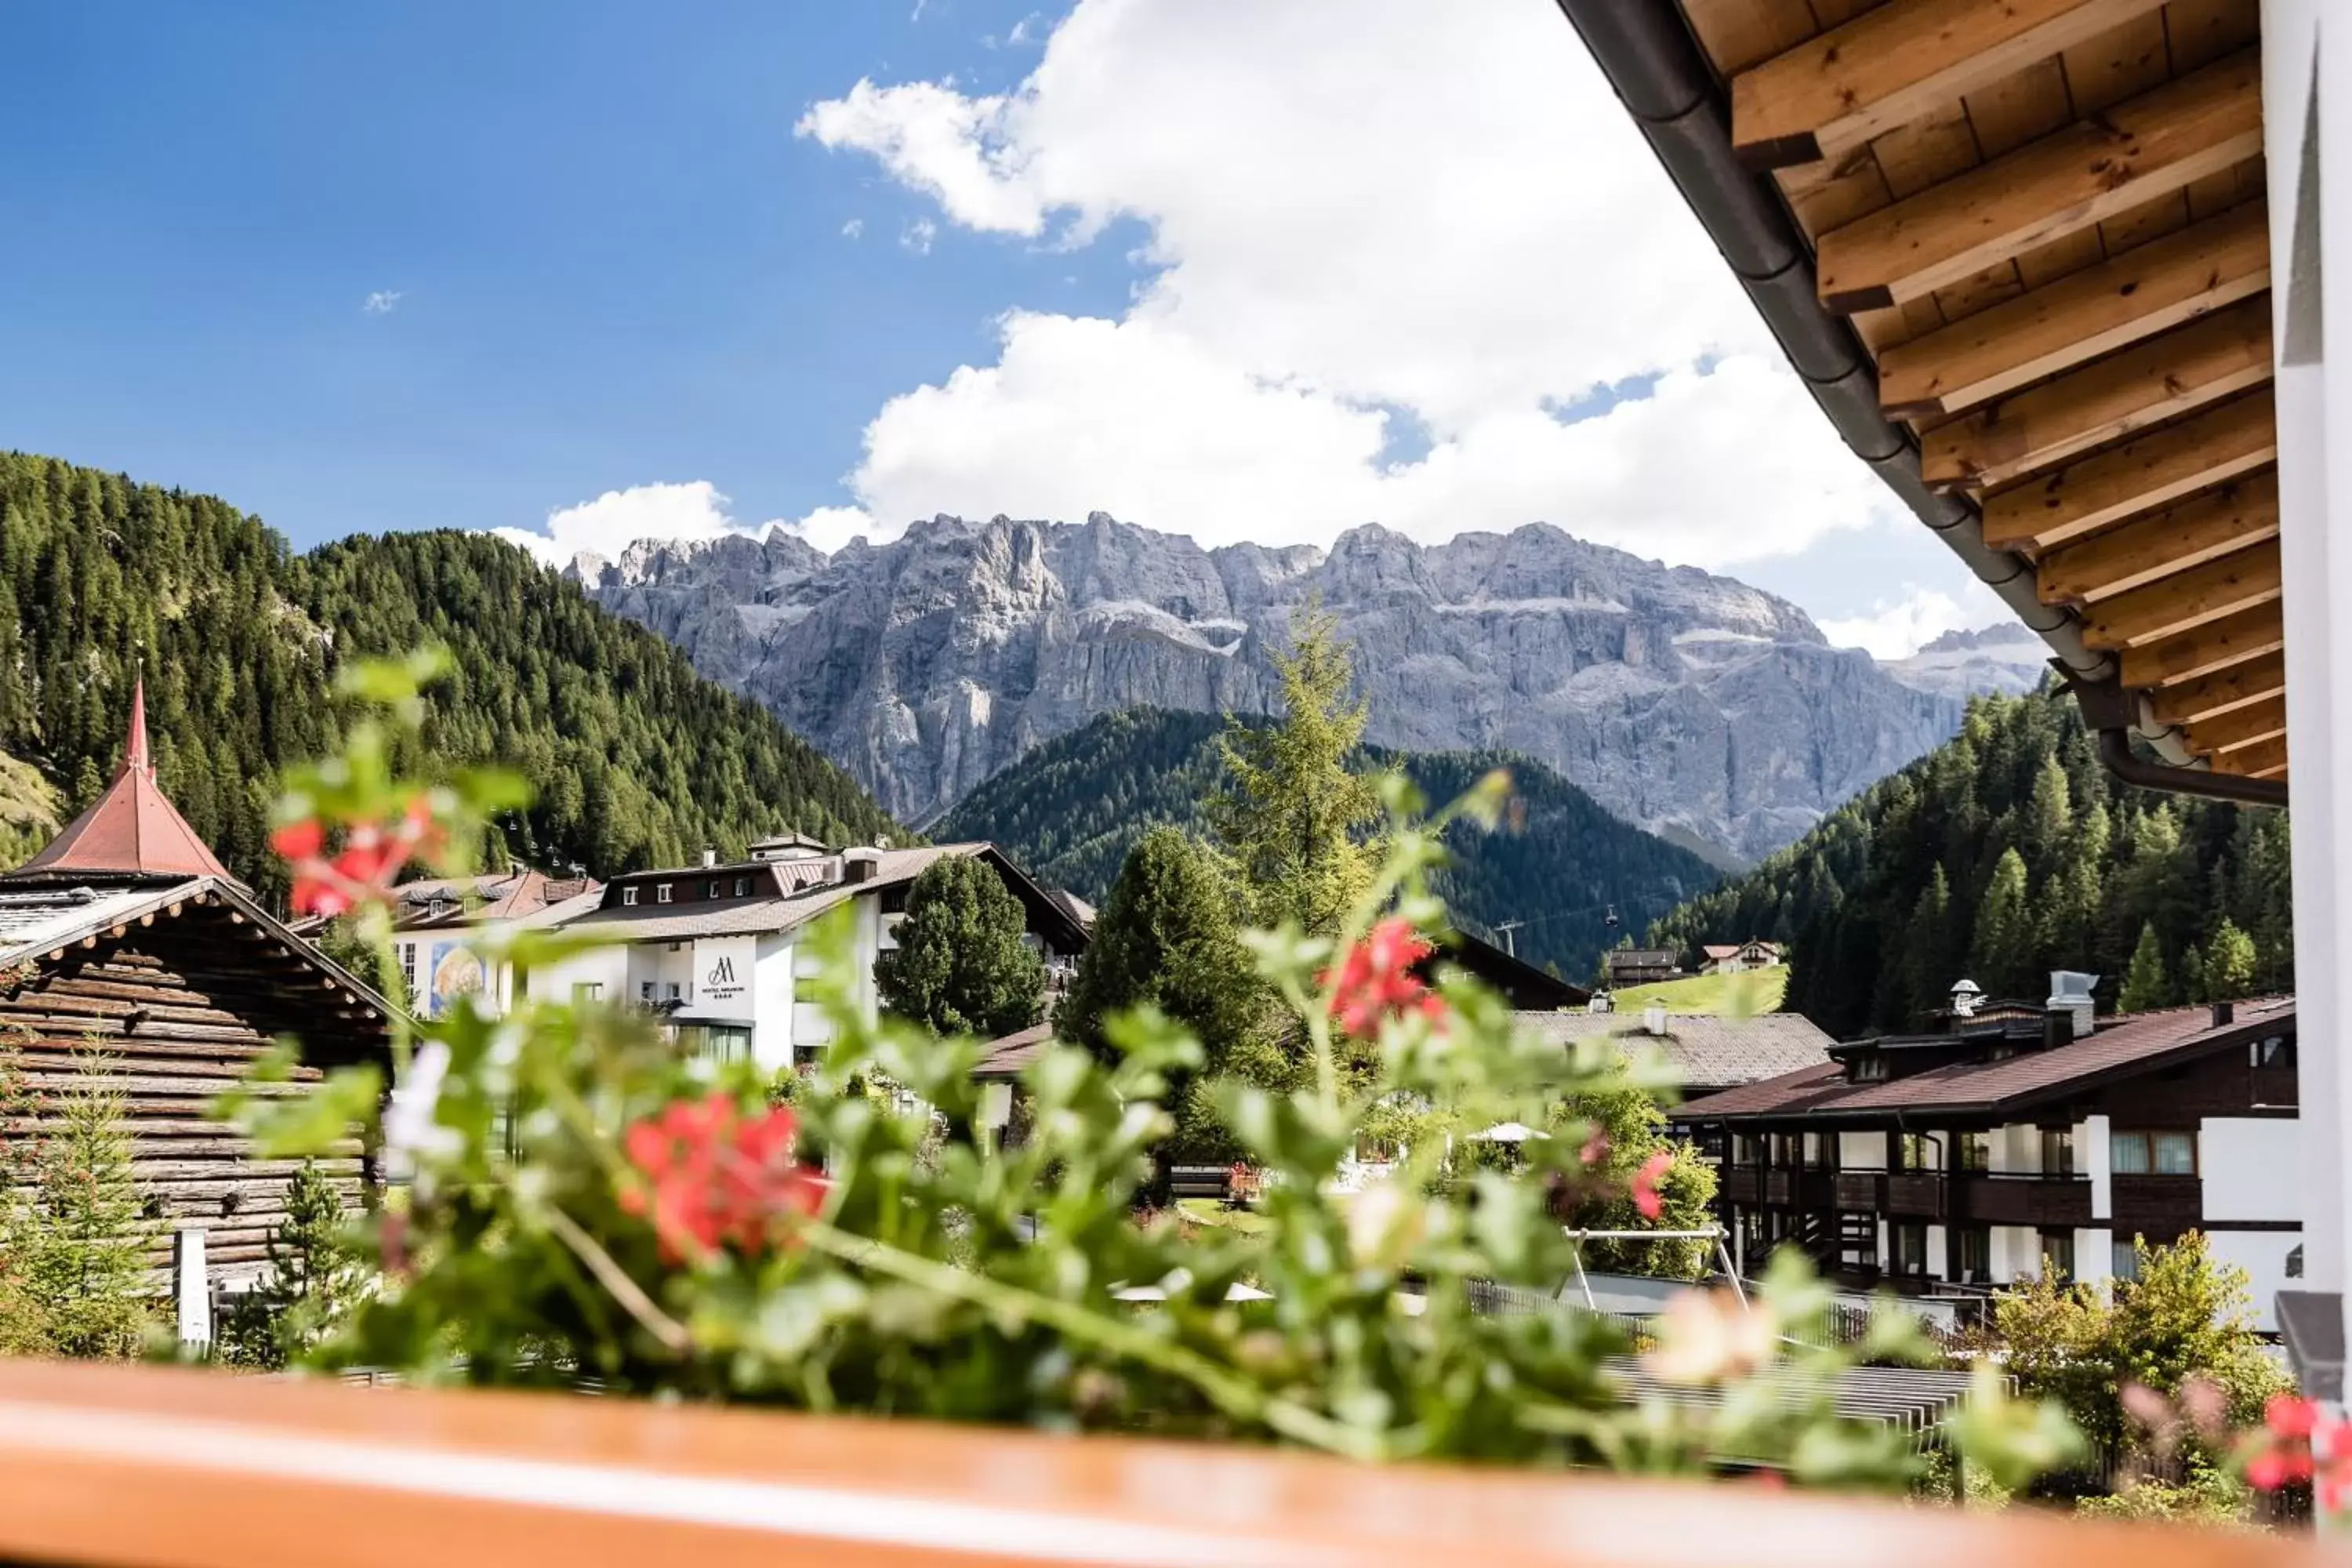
1708,1053
1738,958
2013,1137
720,951
436,919
127,949
1622,966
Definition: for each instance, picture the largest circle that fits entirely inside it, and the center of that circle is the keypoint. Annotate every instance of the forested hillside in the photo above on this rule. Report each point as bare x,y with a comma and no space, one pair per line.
636,759
1071,809
2004,854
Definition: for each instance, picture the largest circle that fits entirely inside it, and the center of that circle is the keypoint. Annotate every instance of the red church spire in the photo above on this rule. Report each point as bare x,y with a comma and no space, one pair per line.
131,830
134,750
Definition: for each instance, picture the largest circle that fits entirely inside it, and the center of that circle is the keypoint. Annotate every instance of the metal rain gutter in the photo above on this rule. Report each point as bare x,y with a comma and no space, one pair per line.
1646,52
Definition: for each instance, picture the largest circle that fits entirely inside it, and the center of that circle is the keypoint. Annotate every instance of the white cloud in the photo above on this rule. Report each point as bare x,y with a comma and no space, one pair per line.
828,528
382,302
1896,629
853,229
918,235
695,511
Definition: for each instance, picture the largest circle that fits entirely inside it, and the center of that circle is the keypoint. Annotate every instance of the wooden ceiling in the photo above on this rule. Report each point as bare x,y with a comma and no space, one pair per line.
2045,220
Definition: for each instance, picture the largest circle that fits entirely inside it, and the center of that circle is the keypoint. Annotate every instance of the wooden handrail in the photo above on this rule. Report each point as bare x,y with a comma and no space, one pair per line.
156,1468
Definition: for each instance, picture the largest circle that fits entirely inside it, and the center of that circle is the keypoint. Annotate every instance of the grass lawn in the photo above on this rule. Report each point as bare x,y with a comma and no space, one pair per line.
1755,991
1209,1211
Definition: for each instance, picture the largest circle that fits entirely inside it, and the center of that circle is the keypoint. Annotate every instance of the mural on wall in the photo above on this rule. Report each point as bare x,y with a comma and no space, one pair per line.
454,971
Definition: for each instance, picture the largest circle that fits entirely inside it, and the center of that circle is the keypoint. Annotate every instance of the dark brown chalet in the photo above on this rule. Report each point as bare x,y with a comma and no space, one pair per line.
126,937
2016,1135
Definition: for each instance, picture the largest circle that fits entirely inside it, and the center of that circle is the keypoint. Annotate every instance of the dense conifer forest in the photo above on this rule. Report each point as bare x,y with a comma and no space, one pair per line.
1071,809
2004,854
637,760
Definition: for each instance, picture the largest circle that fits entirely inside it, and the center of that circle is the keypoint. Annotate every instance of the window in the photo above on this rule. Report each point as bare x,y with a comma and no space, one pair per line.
742,886
408,966
670,991
2057,1151
715,887
2126,1262
2058,1254
2274,1051
1910,1238
2153,1153
1975,1253
1743,1148
586,990
1870,1068
645,991
1975,1149
716,1042
1817,1153
628,897
661,893
2295,1261
894,899
1919,1152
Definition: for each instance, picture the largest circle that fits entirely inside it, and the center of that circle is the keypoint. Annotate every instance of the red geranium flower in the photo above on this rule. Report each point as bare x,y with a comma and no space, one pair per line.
300,840
1646,1185
1375,981
716,1178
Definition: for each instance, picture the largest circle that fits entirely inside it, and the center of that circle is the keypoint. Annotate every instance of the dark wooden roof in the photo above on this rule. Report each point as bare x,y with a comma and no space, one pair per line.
2120,1047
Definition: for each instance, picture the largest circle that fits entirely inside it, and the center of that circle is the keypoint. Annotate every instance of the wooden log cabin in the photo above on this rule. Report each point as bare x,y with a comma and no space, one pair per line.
125,936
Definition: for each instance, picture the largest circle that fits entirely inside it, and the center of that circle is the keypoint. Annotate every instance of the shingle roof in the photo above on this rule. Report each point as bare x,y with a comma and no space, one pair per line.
1010,1055
2118,1045
32,919
130,830
1710,1049
748,916
494,895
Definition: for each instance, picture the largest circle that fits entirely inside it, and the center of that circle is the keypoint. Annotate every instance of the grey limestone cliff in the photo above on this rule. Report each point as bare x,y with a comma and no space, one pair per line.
1683,701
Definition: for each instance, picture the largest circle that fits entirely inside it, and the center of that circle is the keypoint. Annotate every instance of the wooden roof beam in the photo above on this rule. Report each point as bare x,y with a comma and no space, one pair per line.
2163,466
1889,67
2244,727
2224,689
2148,290
2174,604
2161,378
2262,759
2206,122
2216,646
2201,529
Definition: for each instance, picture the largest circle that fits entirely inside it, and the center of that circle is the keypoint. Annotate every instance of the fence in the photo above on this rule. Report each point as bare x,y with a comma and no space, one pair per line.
163,1468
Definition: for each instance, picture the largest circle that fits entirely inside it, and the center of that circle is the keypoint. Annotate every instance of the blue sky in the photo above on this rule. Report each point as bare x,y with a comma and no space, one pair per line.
841,265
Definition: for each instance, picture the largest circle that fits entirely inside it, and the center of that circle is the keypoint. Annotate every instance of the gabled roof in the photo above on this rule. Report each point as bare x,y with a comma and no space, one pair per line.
2120,1047
492,896
131,831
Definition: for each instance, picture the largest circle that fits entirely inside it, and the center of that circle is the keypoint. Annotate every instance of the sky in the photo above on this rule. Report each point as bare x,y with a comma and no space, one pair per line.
589,272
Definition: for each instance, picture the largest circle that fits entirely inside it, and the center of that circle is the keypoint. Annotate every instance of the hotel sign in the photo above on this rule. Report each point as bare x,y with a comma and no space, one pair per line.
723,973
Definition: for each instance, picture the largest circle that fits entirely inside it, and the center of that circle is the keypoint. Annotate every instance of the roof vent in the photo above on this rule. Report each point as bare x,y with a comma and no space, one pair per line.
1601,1002
1654,1018
1965,997
860,864
710,855
2224,1014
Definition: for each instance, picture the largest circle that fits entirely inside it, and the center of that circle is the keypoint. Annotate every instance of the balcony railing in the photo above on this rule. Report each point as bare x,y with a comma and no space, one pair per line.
2161,1206
173,1468
1914,1194
1860,1190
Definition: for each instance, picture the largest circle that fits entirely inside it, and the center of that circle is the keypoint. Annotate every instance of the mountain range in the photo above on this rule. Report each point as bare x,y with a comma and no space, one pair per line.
1700,708
1560,868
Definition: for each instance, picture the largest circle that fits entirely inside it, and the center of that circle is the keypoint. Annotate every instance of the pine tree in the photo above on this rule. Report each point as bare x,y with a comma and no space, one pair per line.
1294,822
2230,962
1932,966
314,1280
960,966
82,1257
1167,938
2145,984
2003,950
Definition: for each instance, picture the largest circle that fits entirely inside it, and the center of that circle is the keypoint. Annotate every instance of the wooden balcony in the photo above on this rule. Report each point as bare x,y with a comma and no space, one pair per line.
2273,1085
1914,1194
2159,1206
1780,1187
1742,1184
173,1468
1860,1190
2002,1198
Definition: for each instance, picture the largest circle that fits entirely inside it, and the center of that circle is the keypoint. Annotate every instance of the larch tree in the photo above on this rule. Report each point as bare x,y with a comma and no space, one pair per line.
1296,823
79,1253
2145,983
2003,950
2230,962
960,966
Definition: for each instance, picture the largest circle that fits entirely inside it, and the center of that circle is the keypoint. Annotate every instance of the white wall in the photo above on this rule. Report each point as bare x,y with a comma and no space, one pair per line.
1862,1150
2262,1255
771,1003
2250,1167
2093,1254
2090,1160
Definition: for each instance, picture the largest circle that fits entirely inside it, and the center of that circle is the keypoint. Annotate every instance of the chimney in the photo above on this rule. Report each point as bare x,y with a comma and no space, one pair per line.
860,864
2224,1014
2070,994
1654,1018
710,855
1601,1002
